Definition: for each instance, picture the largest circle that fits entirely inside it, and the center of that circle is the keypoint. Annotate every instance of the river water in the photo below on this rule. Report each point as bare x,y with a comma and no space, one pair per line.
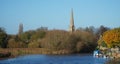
55,59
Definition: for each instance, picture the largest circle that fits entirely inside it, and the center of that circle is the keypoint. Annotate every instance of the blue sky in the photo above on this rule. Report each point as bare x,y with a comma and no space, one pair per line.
55,14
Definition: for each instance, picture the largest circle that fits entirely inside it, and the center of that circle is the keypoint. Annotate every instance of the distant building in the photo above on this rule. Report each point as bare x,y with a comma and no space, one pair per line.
20,31
72,27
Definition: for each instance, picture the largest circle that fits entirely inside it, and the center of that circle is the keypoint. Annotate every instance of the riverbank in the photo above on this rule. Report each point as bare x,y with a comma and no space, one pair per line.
24,51
114,61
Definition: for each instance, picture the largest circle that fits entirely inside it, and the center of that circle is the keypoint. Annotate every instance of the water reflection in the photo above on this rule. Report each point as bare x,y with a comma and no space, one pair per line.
54,59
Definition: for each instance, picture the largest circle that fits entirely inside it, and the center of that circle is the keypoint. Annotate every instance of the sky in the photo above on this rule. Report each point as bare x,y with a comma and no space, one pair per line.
55,14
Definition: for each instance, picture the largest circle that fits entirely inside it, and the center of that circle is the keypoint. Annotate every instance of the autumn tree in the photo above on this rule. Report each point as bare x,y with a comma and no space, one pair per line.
112,37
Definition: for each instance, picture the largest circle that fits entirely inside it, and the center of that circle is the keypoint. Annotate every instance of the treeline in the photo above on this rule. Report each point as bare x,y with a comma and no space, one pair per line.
82,40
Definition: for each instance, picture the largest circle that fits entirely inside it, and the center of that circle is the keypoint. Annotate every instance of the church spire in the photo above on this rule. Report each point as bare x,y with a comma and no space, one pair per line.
72,27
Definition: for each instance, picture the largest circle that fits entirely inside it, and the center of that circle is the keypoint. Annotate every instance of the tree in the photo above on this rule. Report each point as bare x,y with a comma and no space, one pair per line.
38,35
34,44
86,41
59,40
80,46
112,37
12,43
90,29
3,38
15,42
101,30
101,42
25,37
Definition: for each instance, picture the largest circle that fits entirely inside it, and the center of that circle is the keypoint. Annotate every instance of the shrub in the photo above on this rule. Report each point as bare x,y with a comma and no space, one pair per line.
34,44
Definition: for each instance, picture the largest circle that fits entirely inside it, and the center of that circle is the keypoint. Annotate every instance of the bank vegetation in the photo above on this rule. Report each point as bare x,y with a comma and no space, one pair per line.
43,41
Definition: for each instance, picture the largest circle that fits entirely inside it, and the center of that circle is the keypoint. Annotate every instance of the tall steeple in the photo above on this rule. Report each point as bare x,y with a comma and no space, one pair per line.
72,27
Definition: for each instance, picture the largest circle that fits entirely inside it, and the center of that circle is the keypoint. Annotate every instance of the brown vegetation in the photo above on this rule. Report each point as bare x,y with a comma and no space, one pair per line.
22,51
56,41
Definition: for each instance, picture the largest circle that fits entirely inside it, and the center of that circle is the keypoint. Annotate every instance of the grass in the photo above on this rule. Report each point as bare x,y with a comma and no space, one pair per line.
24,51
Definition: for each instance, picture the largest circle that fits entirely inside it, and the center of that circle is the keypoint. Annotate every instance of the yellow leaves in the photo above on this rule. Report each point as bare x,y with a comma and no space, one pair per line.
112,37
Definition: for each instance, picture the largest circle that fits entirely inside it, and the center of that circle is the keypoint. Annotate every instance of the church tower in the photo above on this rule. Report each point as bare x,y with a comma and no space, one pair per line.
20,28
72,27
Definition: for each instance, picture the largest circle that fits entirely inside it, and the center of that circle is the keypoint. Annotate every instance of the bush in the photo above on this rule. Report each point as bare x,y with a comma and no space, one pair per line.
34,44
16,44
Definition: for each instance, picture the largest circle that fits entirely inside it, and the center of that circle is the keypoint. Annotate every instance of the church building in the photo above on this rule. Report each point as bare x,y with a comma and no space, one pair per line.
71,27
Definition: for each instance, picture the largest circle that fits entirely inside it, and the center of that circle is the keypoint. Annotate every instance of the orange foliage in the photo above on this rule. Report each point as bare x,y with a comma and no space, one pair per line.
112,37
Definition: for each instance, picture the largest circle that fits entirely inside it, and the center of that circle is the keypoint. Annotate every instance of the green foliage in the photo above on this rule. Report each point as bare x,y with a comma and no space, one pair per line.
25,36
38,35
34,44
103,44
3,38
16,44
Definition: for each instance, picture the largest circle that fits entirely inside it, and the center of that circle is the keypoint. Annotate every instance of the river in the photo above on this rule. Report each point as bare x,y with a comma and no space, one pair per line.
54,59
